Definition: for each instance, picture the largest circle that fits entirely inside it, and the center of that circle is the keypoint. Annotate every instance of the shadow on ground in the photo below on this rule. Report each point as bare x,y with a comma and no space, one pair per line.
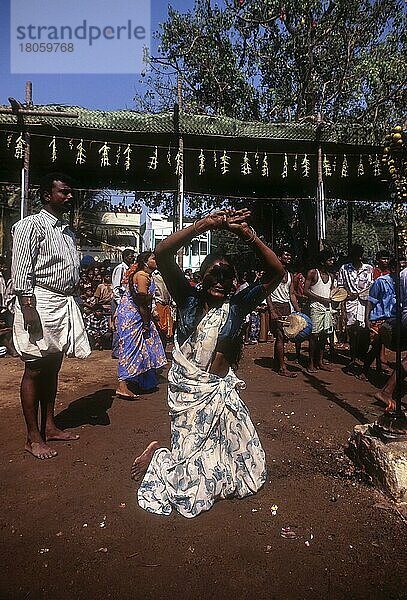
88,410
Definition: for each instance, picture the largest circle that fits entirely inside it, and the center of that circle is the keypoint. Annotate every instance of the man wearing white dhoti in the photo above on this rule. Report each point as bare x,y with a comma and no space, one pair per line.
47,321
215,450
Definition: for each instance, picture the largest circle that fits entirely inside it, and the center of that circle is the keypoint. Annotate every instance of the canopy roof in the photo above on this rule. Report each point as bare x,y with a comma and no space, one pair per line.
222,156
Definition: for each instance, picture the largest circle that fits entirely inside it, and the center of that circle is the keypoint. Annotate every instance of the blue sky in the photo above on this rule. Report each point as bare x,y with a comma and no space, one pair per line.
105,92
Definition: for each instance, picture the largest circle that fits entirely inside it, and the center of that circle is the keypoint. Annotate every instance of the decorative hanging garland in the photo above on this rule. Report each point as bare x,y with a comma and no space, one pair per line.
126,155
19,147
118,154
305,166
178,163
53,146
344,170
153,161
104,155
80,153
326,166
246,167
201,162
224,163
265,166
284,174
361,169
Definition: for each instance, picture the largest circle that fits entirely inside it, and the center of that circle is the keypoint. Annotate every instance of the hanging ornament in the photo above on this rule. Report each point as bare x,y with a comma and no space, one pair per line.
126,155
256,159
178,163
153,160
201,162
118,153
305,166
80,153
224,163
53,146
104,155
284,174
19,147
215,159
370,159
326,166
246,168
376,166
265,166
334,164
344,170
169,154
9,140
361,169
70,144
295,165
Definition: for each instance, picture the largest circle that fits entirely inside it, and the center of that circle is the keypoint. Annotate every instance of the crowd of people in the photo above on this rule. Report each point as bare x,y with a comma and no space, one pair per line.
146,302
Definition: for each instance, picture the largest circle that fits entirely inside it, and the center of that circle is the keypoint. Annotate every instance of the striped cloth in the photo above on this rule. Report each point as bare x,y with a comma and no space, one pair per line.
44,254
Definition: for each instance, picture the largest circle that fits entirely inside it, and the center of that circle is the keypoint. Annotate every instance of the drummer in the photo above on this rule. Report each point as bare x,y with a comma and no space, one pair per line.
317,288
281,302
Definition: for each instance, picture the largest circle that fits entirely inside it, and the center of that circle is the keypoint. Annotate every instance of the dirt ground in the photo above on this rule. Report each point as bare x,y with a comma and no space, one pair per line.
71,526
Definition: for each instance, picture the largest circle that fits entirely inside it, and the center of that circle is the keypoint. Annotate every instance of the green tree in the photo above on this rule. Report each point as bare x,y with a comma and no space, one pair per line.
276,60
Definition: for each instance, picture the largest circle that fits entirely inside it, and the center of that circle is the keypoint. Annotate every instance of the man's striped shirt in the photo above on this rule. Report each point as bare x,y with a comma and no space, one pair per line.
44,254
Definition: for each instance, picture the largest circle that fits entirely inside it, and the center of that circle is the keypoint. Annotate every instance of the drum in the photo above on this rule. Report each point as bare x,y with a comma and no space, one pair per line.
364,294
338,294
297,327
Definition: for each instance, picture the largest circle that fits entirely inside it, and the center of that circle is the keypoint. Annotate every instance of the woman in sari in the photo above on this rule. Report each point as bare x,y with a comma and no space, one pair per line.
215,451
140,349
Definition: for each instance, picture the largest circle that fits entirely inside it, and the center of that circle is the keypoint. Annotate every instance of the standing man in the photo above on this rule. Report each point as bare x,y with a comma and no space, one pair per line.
317,288
281,302
356,277
163,303
128,257
47,322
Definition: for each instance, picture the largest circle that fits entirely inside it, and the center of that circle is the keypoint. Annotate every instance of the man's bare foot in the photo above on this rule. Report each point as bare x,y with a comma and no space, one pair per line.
324,367
311,369
286,373
140,464
40,450
386,399
57,435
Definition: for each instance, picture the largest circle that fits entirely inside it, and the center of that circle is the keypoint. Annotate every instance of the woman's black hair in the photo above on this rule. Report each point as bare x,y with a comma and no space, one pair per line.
211,258
143,258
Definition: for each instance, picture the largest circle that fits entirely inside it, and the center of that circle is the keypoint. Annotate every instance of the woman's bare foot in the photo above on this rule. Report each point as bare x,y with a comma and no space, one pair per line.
40,450
141,463
386,399
57,435
124,392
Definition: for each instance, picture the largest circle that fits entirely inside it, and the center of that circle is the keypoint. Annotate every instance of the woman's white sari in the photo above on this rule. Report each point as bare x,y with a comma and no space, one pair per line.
216,452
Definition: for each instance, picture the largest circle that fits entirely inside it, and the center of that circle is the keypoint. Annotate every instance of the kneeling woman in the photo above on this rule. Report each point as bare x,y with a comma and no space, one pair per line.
140,349
215,451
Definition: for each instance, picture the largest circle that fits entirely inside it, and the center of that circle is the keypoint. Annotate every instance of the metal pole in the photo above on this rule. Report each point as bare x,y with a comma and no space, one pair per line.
350,223
399,368
25,172
180,181
320,196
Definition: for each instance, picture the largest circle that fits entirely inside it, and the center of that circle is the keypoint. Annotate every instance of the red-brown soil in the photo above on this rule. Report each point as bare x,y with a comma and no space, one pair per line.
72,529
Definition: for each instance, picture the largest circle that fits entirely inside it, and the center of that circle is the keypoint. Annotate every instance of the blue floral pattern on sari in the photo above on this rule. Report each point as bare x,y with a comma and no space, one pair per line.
139,357
215,450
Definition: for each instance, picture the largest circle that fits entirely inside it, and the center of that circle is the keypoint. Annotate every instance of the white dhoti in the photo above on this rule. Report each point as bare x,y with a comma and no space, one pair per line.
62,328
355,312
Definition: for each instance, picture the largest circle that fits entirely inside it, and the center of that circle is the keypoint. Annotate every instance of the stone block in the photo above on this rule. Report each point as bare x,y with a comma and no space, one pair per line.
386,463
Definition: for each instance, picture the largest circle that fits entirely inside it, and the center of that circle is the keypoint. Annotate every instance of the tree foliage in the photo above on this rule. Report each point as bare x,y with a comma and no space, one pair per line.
285,60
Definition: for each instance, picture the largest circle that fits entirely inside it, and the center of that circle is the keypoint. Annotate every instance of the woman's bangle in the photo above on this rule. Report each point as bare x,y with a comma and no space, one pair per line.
195,227
251,239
